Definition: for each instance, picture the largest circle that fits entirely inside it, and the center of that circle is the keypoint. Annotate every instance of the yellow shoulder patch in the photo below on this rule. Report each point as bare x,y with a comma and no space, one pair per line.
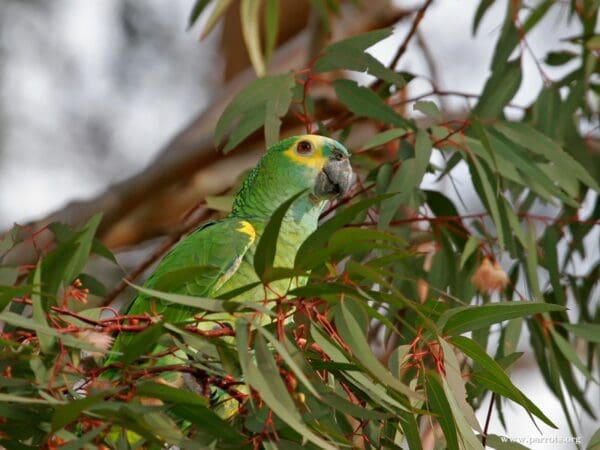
316,160
247,228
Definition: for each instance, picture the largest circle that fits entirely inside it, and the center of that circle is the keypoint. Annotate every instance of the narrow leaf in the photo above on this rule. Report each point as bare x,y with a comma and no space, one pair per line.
384,137
351,331
430,109
207,304
438,404
264,257
349,54
39,313
588,331
468,318
499,89
216,14
363,102
249,15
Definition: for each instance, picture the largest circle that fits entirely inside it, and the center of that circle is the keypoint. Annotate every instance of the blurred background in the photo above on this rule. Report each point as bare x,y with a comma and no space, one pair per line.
91,93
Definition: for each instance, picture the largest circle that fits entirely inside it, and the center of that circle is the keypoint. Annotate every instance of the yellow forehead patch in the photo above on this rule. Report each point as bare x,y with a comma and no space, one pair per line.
316,160
248,229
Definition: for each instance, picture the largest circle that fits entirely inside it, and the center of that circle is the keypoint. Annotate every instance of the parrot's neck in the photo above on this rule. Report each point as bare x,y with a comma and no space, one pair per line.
257,205
304,212
300,220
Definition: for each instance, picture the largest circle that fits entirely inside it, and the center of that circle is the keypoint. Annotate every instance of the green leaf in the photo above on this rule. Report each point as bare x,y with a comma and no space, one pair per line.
503,443
289,360
250,18
18,320
353,335
271,27
207,304
494,376
265,378
197,10
410,428
65,414
471,246
442,206
531,263
488,194
63,233
465,433
569,352
384,137
321,289
359,379
66,262
559,58
429,108
321,235
244,125
594,443
507,40
352,240
277,106
349,54
30,400
593,43
499,89
468,318
142,343
85,439
93,284
216,14
262,101
488,381
407,178
84,240
264,256
542,145
39,312
347,407
510,35
481,10
454,385
512,334
438,404
170,394
207,421
588,331
363,102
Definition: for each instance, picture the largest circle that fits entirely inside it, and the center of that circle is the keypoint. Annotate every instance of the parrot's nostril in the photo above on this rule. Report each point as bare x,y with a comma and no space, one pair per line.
337,155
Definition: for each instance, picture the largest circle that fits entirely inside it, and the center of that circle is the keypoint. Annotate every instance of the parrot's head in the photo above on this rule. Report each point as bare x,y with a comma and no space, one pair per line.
316,164
322,163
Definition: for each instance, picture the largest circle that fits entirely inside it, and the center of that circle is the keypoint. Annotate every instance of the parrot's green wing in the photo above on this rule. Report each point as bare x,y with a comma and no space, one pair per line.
199,265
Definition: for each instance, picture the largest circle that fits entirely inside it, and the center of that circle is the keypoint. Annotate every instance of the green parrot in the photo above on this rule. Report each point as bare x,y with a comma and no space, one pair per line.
317,166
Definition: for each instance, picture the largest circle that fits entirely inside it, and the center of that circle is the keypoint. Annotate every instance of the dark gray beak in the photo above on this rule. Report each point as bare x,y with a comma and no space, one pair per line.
336,178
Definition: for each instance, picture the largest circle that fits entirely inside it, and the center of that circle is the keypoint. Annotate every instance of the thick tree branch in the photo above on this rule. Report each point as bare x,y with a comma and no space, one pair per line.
150,202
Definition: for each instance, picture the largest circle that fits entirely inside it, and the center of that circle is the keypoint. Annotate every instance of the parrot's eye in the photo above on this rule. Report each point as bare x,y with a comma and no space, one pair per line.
304,148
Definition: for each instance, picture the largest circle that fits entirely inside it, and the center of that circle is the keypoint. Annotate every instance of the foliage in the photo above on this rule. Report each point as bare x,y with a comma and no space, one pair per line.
407,321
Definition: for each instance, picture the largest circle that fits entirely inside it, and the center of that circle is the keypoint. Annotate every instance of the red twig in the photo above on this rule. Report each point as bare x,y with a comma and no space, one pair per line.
413,29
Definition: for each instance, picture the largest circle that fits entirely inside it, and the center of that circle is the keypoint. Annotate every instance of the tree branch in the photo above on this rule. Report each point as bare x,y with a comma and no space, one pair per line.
413,29
149,203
